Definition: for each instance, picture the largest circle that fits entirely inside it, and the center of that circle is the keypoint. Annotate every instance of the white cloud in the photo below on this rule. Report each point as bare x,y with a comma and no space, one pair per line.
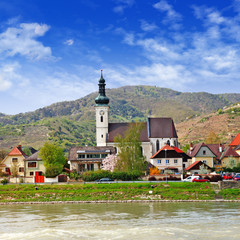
69,42
9,76
22,40
122,5
163,6
148,27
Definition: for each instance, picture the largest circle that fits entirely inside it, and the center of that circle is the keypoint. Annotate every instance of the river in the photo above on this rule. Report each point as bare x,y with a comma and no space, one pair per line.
121,221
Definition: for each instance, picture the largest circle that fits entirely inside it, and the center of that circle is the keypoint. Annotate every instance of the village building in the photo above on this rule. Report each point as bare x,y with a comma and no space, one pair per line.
235,144
196,168
156,132
170,159
83,159
34,165
14,159
215,156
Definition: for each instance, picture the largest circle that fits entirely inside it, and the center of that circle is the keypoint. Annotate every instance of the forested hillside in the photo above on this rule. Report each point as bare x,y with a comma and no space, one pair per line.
73,122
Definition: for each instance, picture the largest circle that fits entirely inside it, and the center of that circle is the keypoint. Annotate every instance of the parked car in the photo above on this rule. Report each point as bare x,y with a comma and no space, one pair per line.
227,176
102,180
195,179
237,177
200,180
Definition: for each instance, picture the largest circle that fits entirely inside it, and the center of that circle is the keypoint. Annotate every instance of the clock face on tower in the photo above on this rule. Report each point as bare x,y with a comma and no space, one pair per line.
101,112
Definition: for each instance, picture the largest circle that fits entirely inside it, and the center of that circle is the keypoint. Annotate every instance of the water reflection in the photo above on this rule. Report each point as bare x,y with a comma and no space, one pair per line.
121,221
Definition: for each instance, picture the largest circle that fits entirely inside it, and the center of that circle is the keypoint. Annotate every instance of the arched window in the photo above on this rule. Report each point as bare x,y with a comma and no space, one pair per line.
168,142
101,118
157,145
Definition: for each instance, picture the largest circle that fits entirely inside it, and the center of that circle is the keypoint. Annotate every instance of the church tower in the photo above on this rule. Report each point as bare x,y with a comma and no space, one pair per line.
102,110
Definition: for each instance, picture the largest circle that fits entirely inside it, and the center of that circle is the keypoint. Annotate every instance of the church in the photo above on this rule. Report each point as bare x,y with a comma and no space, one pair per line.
157,132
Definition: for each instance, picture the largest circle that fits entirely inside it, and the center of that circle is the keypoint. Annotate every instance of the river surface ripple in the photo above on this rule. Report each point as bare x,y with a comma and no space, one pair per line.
121,221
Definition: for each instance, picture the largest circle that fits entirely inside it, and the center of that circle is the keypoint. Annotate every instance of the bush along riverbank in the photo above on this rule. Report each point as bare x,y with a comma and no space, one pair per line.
113,192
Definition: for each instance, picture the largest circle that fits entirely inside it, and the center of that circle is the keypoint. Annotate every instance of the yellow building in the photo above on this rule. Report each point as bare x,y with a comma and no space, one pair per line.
14,161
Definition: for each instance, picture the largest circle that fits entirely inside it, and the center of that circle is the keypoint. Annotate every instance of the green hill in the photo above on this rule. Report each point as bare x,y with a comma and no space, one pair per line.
73,122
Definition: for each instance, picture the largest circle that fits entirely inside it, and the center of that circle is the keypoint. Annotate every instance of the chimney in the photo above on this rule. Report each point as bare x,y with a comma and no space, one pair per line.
19,147
220,148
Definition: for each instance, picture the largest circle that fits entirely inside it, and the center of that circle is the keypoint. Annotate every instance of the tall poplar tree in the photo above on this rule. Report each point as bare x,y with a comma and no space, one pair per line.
130,151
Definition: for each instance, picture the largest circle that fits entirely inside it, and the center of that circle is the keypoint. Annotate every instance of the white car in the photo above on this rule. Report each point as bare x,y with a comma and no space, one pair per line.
190,178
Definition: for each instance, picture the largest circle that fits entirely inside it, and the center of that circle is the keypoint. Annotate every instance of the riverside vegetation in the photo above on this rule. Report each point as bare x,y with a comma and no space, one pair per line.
113,192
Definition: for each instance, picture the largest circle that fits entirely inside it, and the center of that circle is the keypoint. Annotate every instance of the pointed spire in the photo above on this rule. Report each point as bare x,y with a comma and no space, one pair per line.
102,99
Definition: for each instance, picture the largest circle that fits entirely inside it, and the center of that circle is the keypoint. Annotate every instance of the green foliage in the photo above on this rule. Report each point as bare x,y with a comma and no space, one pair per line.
52,156
130,153
220,111
117,175
4,181
53,171
186,147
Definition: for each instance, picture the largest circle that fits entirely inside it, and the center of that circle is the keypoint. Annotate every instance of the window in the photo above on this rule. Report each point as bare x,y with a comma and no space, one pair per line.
89,156
184,165
175,160
204,161
167,161
168,142
101,118
102,135
31,173
81,155
32,164
204,152
104,155
92,167
21,169
14,160
7,170
157,145
159,161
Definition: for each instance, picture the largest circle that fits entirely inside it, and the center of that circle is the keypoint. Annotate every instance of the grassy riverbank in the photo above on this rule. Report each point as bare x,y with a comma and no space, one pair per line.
116,191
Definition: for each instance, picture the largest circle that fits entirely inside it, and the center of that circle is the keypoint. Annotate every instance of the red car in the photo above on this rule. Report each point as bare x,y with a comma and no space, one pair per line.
200,180
227,177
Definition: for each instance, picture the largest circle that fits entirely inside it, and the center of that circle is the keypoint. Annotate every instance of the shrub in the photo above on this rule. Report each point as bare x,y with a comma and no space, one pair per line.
152,178
5,181
52,171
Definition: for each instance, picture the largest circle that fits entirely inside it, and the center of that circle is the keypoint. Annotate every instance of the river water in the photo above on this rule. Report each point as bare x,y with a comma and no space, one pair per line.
121,221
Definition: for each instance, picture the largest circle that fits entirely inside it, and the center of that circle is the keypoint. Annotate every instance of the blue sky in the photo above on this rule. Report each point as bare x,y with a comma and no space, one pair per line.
52,51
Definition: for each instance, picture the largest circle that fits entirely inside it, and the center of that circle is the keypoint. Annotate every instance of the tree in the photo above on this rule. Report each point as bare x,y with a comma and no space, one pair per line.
53,157
3,154
109,163
212,138
130,152
14,170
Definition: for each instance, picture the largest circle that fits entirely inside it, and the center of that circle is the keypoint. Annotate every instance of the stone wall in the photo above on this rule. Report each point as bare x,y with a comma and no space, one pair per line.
228,184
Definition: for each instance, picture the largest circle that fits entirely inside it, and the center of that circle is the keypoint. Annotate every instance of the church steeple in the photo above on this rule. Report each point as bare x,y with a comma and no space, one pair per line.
101,99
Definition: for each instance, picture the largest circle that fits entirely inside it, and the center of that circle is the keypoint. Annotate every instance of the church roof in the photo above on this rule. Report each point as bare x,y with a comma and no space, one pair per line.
115,129
161,128
154,128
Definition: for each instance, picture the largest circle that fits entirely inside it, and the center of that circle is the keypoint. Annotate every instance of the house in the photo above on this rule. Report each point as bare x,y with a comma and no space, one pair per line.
14,160
235,144
229,157
88,158
156,133
168,158
214,155
195,168
34,166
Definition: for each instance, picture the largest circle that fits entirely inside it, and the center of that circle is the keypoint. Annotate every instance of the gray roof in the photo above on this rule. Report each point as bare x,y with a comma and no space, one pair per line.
33,157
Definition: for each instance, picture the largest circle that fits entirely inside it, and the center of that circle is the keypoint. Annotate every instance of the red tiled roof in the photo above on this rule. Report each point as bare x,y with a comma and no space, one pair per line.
167,148
17,151
236,141
178,150
192,165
